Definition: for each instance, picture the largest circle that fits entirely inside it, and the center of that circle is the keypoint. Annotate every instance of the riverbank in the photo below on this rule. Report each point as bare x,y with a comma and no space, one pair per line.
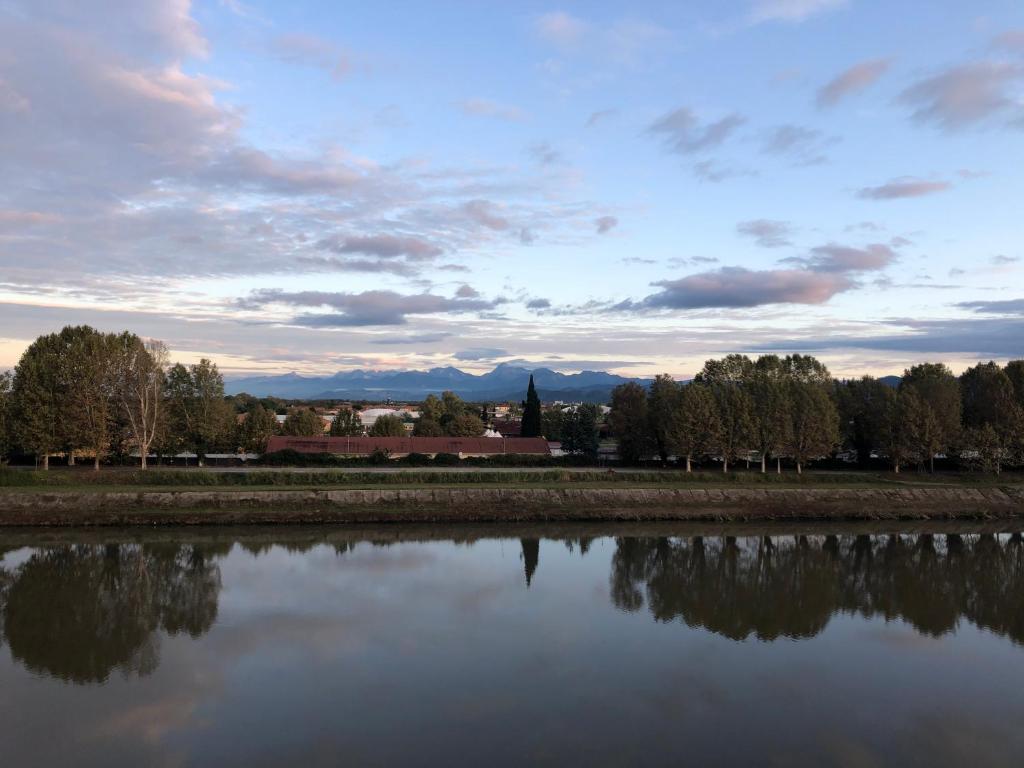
489,503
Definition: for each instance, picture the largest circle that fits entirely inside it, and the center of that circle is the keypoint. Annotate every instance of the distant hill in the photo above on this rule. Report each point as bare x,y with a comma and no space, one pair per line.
505,382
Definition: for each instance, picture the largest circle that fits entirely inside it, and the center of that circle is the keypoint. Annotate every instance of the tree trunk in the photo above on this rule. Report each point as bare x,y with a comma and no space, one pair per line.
764,463
71,458
778,465
688,467
931,464
46,461
799,468
142,459
96,462
895,467
725,464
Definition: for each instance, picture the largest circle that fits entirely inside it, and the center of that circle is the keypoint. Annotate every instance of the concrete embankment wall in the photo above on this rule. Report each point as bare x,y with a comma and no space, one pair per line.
506,504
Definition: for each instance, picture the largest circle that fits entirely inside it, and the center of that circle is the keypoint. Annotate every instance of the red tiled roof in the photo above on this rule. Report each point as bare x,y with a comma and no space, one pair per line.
364,446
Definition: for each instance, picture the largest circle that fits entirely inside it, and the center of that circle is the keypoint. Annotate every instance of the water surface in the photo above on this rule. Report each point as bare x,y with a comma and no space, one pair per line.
604,645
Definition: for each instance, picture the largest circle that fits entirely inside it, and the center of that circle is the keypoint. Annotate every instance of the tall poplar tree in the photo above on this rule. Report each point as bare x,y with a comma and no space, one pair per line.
814,422
939,392
695,424
531,425
38,398
630,423
5,419
662,402
140,369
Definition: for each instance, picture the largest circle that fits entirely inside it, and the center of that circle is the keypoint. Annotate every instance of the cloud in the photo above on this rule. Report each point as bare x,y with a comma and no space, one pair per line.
384,246
605,224
362,309
791,10
835,258
1011,39
545,154
561,28
714,172
484,212
489,108
601,116
414,338
965,96
311,51
738,287
682,132
538,304
1001,260
766,233
905,186
467,292
480,353
851,81
803,146
1004,307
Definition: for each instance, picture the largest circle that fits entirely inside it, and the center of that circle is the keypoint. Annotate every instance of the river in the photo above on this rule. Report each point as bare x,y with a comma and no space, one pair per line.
663,644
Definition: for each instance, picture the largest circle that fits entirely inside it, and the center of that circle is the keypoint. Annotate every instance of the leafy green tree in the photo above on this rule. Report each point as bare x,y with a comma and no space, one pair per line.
904,410
770,407
346,424
735,419
985,449
259,426
198,414
303,422
731,369
815,423
427,428
465,425
863,408
38,396
552,424
695,426
90,405
662,403
432,409
939,392
990,408
531,425
807,369
1015,371
389,425
579,431
5,420
630,423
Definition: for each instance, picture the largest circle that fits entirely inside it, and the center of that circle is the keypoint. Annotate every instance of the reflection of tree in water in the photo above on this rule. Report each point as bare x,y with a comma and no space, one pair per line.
790,587
79,612
531,556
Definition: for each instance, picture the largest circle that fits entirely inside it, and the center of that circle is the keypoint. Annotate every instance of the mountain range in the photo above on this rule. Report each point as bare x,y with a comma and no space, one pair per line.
506,382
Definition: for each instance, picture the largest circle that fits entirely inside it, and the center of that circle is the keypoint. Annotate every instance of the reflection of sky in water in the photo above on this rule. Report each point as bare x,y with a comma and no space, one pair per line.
436,651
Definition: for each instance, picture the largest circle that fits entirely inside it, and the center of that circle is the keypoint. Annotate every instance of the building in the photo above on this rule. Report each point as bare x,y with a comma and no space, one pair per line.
396,447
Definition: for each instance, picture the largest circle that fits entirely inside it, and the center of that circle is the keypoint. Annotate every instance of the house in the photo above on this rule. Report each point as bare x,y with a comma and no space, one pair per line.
395,447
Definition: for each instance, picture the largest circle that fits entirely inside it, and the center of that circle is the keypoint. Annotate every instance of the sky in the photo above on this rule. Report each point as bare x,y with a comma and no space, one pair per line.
633,187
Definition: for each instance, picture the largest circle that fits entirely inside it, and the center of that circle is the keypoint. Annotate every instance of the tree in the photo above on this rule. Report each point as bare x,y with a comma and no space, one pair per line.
992,414
735,422
531,426
303,422
815,423
552,424
90,407
695,426
198,414
38,398
903,410
630,423
579,431
863,407
662,402
259,426
388,425
1015,371
5,420
464,425
939,392
806,369
770,411
346,424
427,428
139,369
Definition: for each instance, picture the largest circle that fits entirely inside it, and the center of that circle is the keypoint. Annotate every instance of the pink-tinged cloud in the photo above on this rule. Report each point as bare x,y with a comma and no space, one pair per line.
966,95
853,80
903,187
737,287
791,10
844,258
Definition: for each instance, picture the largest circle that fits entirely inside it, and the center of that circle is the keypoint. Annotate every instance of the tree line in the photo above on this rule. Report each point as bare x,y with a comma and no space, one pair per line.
791,408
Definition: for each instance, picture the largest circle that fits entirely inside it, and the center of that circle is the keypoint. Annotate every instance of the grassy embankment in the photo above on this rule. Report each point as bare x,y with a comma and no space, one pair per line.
83,481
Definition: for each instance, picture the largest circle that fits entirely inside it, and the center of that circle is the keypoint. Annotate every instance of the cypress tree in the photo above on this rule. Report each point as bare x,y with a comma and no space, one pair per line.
531,412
